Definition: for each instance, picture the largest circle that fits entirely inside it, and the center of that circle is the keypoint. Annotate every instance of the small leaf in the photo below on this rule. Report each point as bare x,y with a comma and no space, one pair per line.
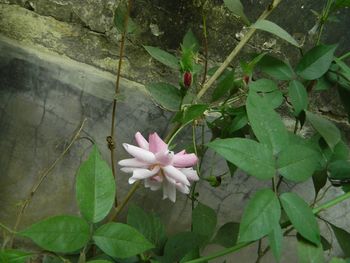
319,180
275,29
298,96
252,157
147,224
193,112
95,187
119,20
163,57
225,85
120,240
227,234
62,234
166,95
316,62
240,121
14,256
325,128
276,68
267,125
301,216
260,216
297,163
236,7
275,241
190,42
309,253
263,85
343,238
204,221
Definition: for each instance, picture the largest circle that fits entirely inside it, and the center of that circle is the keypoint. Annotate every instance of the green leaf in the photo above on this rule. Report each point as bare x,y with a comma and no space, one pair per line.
252,157
325,244
99,261
148,225
204,221
166,95
227,234
95,187
120,240
275,29
275,241
14,256
274,98
267,125
276,68
339,170
343,238
316,62
309,253
119,20
338,260
240,121
193,112
297,163
260,216
344,68
163,57
193,254
298,96
344,95
263,85
301,216
236,7
190,42
225,85
179,245
59,234
319,180
325,128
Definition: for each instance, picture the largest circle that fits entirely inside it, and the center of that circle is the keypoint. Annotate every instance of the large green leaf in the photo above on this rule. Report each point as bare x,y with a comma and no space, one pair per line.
14,256
267,125
147,224
227,234
263,85
95,187
163,57
275,29
193,112
325,128
298,96
225,85
343,238
236,7
301,216
297,163
204,221
166,95
309,253
316,62
275,241
339,170
276,68
260,216
59,234
252,157
120,240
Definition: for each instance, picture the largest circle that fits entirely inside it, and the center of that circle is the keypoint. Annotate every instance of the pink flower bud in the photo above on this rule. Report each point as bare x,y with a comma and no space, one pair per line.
246,79
187,79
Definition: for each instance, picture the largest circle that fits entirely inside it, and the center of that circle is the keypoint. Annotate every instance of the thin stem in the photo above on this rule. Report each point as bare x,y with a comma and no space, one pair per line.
260,252
205,48
237,247
111,139
7,229
180,127
345,56
42,178
193,188
236,50
324,19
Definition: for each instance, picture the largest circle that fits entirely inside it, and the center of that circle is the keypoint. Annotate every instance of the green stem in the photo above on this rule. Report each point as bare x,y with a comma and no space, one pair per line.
7,229
237,247
176,132
345,56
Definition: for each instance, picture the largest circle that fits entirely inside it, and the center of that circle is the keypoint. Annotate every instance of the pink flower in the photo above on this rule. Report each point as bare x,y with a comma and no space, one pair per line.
159,167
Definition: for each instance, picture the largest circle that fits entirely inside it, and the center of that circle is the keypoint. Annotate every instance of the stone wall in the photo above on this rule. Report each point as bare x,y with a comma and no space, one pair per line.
57,66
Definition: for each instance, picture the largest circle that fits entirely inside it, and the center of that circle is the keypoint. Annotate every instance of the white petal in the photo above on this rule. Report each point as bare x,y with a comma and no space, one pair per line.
169,190
183,188
152,184
140,154
190,173
141,141
140,174
174,173
133,162
128,169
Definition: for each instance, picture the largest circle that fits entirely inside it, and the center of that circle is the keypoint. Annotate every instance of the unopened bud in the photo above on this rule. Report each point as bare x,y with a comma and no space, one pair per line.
246,79
187,78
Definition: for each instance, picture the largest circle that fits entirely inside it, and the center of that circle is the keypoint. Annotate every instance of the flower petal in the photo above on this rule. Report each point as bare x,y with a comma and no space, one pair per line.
156,144
190,173
169,189
140,174
140,154
183,188
185,160
141,141
175,174
132,162
128,169
164,158
152,184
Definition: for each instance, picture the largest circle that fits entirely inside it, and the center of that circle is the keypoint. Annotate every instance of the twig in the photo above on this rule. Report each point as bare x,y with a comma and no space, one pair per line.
236,50
42,178
205,48
111,138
